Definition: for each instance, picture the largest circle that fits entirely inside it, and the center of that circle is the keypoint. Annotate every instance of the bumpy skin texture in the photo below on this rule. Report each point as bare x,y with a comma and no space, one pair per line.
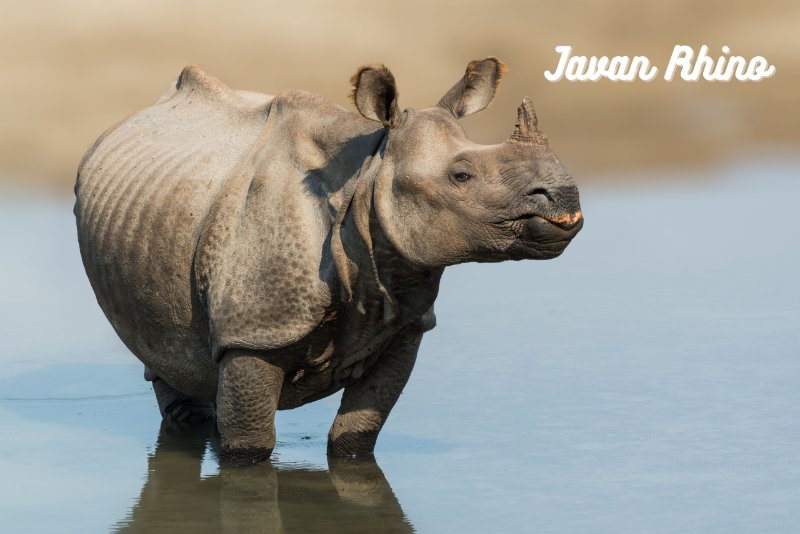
366,404
247,398
259,252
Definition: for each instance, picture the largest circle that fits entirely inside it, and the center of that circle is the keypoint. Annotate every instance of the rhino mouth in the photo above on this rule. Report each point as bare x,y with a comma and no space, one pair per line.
541,236
565,221
569,222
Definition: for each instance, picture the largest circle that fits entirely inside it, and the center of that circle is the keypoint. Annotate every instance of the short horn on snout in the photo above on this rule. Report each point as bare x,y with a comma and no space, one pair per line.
527,127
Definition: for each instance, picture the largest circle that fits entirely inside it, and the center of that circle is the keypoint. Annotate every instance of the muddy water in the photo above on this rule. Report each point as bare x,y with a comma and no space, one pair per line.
645,381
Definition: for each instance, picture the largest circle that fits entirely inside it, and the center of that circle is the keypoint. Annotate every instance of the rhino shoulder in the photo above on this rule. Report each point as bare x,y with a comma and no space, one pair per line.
262,265
312,114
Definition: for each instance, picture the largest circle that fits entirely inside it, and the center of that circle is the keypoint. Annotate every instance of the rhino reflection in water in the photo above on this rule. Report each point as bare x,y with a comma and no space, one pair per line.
352,496
260,252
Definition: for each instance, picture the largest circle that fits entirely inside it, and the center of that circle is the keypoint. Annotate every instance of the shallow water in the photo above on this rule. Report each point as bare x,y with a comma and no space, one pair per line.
644,381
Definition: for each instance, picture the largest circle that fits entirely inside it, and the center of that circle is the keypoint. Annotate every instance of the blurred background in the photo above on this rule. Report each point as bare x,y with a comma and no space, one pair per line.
70,69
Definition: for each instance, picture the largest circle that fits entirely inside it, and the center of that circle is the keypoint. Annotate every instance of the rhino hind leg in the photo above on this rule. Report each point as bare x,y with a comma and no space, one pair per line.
177,407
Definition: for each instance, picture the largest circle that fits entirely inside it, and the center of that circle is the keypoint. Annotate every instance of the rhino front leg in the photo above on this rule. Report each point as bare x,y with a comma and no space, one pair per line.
247,398
366,404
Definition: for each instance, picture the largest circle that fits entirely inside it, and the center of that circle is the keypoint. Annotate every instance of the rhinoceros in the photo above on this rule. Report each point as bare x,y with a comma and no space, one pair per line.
261,252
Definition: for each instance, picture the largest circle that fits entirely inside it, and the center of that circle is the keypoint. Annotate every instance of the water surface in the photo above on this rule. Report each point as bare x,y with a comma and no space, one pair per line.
646,381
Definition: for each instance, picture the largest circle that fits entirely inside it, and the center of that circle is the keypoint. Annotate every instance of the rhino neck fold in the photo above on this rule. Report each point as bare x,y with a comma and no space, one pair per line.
368,264
412,288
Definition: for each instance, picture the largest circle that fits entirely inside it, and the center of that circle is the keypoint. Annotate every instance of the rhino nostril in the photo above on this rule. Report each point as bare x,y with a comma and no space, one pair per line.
541,191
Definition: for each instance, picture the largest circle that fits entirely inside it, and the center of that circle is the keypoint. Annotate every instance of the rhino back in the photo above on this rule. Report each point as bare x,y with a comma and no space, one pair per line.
143,195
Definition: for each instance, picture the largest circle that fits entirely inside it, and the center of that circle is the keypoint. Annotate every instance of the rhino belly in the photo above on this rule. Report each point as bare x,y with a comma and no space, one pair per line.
140,207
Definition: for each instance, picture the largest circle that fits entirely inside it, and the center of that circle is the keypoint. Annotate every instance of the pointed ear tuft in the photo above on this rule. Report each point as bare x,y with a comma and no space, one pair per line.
375,94
476,90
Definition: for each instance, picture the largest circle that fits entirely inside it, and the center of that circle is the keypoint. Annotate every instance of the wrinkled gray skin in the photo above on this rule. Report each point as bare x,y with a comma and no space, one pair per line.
260,252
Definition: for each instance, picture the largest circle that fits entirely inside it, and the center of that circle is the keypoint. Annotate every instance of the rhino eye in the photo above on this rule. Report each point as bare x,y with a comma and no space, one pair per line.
461,176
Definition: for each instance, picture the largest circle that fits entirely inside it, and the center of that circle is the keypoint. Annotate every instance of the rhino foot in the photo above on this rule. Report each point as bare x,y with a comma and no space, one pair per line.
234,456
352,445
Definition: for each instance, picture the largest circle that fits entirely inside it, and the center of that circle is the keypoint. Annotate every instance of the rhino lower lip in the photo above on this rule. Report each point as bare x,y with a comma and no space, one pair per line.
566,222
541,238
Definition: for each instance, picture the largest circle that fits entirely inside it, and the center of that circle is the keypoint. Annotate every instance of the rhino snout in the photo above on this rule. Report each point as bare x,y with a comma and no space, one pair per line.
552,218
557,205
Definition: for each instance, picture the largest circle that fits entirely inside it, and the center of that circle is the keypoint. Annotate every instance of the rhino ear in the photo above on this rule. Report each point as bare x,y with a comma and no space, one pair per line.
375,94
476,90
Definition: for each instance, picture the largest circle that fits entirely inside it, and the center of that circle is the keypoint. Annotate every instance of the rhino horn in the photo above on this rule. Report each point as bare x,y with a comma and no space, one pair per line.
527,127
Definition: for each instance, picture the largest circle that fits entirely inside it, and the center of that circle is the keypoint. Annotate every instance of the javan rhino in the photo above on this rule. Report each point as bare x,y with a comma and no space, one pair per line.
260,252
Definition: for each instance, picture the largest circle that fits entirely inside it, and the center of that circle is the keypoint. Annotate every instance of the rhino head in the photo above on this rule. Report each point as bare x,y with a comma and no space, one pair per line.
442,199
